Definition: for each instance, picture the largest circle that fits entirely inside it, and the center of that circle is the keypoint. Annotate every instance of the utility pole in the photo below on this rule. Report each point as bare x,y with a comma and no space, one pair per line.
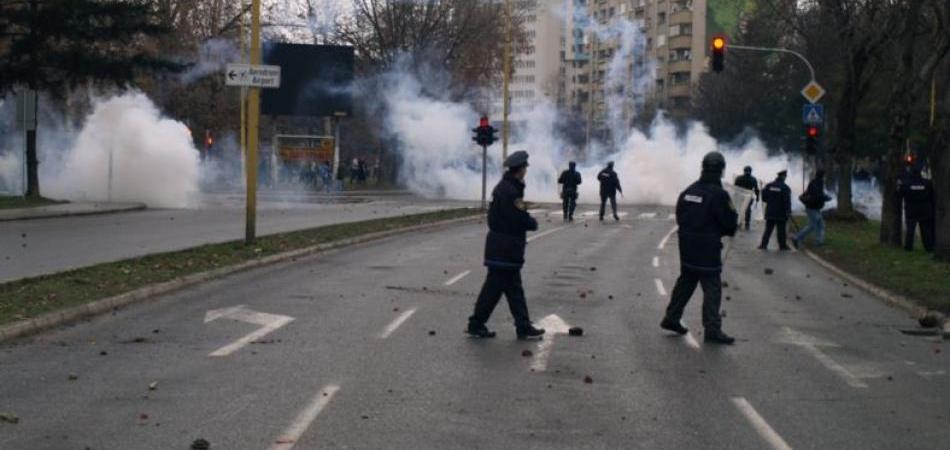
253,124
506,75
241,26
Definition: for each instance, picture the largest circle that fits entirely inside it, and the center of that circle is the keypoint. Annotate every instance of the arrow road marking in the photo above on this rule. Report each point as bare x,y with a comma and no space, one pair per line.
458,277
288,439
396,323
552,325
666,238
811,344
761,426
268,322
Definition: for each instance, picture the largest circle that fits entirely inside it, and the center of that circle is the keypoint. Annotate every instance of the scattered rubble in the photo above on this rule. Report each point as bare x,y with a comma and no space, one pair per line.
846,295
930,319
200,444
769,271
73,377
9,418
575,331
153,386
527,353
588,379
431,332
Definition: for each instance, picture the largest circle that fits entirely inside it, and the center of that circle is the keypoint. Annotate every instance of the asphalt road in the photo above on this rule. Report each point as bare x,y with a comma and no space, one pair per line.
37,247
375,357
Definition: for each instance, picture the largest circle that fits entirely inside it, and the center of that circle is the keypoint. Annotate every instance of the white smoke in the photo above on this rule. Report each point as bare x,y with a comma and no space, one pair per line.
126,151
212,58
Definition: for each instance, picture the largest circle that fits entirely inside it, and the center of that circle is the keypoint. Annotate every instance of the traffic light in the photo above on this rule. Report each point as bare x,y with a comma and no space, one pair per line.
484,133
491,135
718,53
811,135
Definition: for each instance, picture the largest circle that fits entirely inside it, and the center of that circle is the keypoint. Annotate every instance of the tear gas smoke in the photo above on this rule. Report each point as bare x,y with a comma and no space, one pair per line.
213,56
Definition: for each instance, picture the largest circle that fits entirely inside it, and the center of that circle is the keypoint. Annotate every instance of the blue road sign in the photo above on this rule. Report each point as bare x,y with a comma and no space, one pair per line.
813,114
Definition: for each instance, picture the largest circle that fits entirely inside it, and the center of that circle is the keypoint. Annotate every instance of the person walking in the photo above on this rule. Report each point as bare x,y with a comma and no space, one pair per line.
508,224
704,214
609,186
569,180
919,209
747,181
814,199
778,208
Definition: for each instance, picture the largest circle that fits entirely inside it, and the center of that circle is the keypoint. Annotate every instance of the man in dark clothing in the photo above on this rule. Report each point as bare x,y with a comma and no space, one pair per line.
919,208
508,224
778,208
704,214
570,179
747,181
609,186
814,199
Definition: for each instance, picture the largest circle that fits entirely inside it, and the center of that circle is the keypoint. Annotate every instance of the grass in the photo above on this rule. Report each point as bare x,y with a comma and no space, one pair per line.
854,247
29,298
14,202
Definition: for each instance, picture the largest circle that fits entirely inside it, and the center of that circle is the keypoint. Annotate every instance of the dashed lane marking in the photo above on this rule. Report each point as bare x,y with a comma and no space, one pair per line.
647,215
659,287
761,426
456,278
691,341
288,439
391,328
545,233
656,261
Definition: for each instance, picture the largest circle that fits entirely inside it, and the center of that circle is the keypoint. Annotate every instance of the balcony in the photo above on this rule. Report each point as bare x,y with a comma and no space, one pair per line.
680,66
679,90
681,42
681,17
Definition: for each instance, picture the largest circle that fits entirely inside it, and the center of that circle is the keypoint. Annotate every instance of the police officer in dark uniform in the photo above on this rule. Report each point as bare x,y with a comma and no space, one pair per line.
704,214
508,224
609,186
747,181
778,208
919,208
570,179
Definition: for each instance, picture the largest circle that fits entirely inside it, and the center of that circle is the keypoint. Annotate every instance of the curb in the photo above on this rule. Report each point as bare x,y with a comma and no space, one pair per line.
33,215
56,318
898,301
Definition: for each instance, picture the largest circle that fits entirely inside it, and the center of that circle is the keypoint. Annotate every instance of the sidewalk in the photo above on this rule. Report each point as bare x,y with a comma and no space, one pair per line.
67,209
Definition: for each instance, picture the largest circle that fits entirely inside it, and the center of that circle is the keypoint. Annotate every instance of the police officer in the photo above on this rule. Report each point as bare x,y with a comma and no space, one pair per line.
747,181
508,222
570,179
609,186
918,195
778,208
704,213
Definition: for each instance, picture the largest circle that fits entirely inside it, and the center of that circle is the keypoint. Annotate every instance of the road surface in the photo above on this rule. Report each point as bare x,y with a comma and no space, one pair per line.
363,348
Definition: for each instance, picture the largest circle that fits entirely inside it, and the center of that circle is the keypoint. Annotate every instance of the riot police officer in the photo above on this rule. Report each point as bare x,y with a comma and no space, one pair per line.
508,224
778,208
569,180
918,195
747,181
609,186
704,213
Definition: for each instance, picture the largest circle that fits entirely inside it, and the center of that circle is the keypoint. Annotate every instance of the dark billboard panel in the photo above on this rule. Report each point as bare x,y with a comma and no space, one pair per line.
315,80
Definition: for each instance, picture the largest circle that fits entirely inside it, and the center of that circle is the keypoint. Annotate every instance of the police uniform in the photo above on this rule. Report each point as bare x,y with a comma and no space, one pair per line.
778,208
747,181
508,224
918,195
570,179
704,214
609,186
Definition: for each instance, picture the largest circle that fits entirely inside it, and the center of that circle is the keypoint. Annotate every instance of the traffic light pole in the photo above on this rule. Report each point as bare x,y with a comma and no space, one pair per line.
484,173
777,50
253,122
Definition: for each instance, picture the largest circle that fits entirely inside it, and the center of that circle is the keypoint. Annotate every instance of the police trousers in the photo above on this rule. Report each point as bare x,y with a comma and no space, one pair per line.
613,205
926,233
498,282
569,202
767,235
712,297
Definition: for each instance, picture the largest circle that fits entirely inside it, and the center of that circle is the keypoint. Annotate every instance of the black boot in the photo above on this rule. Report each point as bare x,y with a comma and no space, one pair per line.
718,337
479,331
529,332
675,327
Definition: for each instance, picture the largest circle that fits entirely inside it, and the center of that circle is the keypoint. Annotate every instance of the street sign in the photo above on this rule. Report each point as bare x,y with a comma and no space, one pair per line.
813,114
813,92
252,75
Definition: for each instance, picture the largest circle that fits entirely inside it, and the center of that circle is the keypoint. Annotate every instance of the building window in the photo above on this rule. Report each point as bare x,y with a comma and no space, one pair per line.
659,84
679,78
661,18
680,54
661,40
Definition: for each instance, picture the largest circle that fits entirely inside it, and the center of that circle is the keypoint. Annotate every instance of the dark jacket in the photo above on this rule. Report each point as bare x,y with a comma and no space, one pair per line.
748,182
704,213
570,179
815,194
778,200
508,224
918,195
609,183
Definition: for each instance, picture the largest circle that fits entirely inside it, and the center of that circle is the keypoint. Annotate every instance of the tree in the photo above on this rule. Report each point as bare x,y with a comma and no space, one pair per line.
52,45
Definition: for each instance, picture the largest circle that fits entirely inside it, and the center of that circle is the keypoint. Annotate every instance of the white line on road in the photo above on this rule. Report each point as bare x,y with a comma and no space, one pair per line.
544,233
458,277
761,426
811,344
659,287
645,215
288,439
553,325
666,238
691,341
396,323
672,216
656,261
268,322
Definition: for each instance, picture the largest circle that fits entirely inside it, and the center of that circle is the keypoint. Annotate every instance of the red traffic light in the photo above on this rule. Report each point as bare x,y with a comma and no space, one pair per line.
483,122
909,159
812,132
719,43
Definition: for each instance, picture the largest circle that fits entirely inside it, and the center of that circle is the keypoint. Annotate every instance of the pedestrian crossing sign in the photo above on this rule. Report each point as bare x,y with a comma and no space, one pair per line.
813,114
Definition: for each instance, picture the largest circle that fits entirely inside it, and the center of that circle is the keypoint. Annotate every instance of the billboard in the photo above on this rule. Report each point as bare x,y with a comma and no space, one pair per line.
316,80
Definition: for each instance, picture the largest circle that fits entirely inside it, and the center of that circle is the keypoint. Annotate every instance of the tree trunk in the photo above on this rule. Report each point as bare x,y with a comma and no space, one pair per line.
844,163
32,166
941,176
891,220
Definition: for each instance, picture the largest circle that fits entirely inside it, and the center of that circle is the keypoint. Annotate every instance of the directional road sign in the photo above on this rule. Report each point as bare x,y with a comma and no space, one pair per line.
252,75
813,92
813,114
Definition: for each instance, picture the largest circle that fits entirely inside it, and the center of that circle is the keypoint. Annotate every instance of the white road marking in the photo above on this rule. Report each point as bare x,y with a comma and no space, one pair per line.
544,233
458,277
649,215
761,426
812,344
288,439
537,211
666,238
932,373
672,216
659,287
656,261
396,323
691,341
552,325
268,322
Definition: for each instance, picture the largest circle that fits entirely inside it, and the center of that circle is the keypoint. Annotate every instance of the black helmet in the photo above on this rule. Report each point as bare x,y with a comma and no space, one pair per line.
714,161
747,170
